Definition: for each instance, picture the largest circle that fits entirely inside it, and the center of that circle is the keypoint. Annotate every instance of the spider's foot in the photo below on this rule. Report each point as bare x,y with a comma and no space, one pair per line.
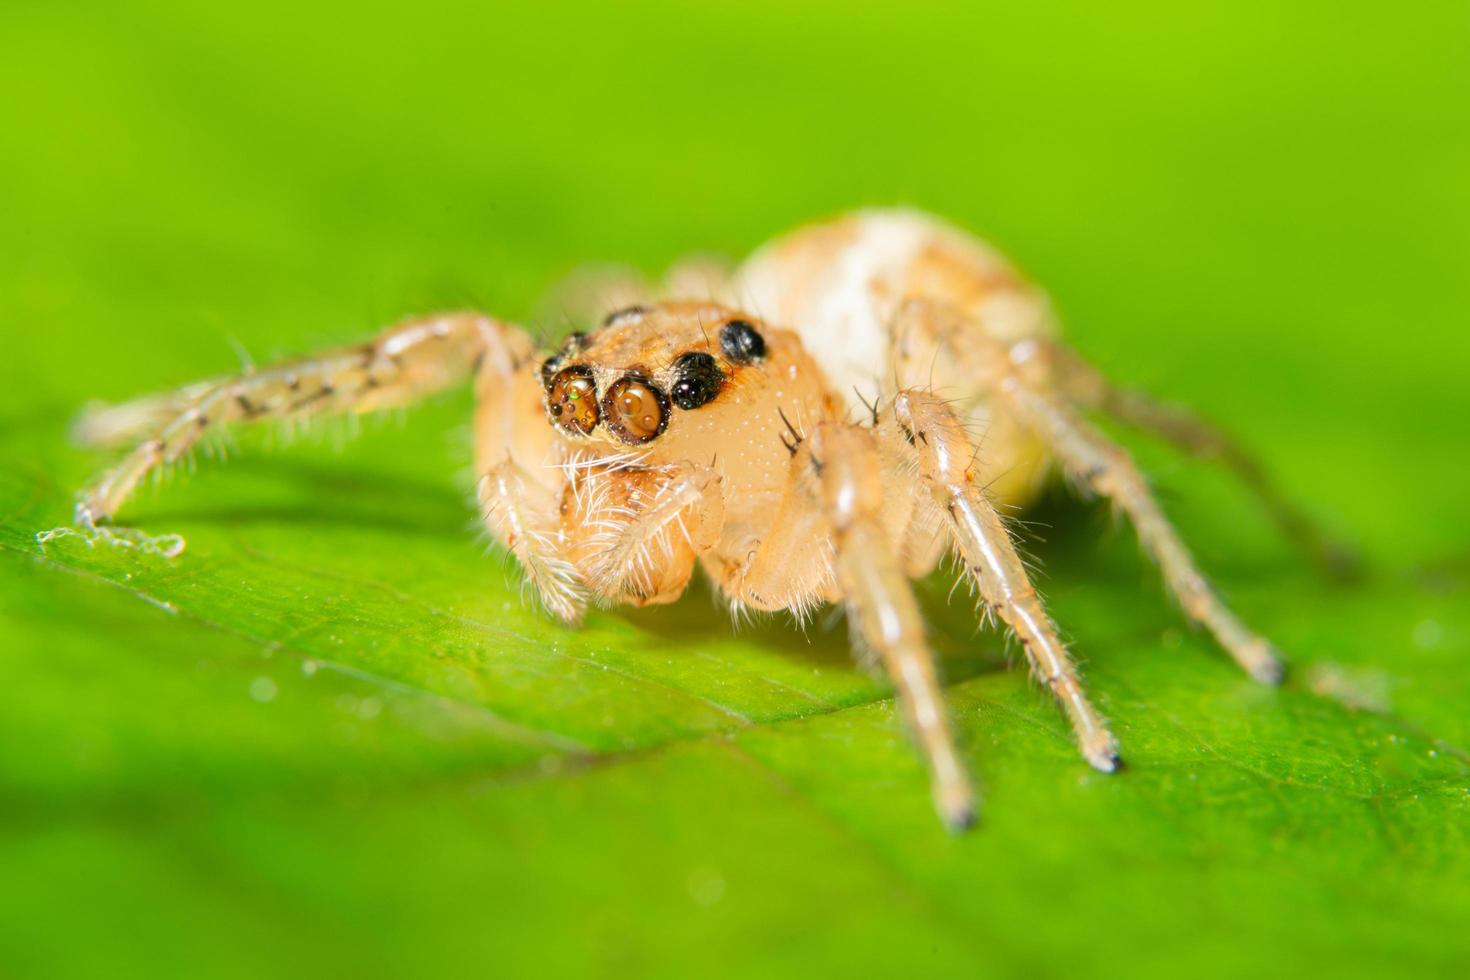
86,515
1102,753
957,805
1262,661
1255,654
960,820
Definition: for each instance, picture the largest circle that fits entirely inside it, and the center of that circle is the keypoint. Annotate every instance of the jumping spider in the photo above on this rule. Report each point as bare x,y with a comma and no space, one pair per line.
821,451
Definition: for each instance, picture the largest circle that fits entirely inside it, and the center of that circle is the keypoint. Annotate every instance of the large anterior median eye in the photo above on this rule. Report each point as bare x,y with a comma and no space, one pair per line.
571,400
635,411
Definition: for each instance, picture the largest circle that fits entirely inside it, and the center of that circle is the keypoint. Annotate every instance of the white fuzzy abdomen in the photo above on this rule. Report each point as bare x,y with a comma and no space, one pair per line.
841,284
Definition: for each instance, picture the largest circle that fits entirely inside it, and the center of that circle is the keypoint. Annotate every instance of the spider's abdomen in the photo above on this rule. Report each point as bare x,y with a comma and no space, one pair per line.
848,287
841,285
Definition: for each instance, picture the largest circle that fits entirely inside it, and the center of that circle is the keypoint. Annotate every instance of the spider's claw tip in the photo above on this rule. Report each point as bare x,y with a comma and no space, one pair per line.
957,807
962,819
1104,758
1269,670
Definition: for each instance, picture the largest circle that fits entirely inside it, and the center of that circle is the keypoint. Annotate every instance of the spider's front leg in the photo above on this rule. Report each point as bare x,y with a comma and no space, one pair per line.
401,365
835,493
922,433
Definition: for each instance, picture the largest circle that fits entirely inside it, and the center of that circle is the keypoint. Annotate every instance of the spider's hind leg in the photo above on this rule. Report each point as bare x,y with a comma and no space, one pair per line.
1095,461
1182,428
585,296
590,293
1021,380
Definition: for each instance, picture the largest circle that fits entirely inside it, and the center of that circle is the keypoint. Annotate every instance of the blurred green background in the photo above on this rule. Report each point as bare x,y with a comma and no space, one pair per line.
330,740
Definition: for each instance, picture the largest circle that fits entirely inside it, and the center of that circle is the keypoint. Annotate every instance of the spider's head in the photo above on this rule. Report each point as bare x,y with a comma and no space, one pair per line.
631,380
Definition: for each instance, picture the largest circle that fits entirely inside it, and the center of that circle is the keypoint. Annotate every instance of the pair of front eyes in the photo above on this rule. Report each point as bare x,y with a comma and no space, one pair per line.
634,408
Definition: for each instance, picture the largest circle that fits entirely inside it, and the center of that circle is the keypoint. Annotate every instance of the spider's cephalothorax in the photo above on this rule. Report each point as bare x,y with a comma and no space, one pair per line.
821,451
626,378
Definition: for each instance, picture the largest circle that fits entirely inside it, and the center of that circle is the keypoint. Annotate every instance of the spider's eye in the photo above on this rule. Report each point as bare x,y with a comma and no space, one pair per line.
571,400
741,343
635,410
698,379
616,315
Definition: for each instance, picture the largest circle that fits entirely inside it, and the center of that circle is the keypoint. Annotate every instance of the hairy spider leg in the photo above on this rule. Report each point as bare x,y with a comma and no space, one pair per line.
834,488
1021,381
925,429
1097,462
401,365
1185,430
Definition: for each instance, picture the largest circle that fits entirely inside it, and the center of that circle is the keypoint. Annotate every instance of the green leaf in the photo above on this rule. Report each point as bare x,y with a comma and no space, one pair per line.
331,739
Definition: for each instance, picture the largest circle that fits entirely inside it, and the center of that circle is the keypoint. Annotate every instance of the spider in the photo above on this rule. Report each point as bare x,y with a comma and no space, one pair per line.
802,431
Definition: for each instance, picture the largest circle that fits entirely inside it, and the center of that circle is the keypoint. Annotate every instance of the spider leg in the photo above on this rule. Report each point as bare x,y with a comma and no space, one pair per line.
927,428
1094,460
522,514
586,295
590,293
834,492
402,364
103,426
1179,426
703,277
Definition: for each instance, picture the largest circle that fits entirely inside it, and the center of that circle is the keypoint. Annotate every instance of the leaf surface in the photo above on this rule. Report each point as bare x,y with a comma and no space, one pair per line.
332,739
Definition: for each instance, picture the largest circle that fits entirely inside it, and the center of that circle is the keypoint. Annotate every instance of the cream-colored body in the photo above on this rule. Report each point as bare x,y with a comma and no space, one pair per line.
890,383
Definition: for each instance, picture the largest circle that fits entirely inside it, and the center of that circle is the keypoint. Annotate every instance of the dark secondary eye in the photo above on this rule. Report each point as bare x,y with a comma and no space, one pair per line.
635,411
697,380
616,315
571,400
741,342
